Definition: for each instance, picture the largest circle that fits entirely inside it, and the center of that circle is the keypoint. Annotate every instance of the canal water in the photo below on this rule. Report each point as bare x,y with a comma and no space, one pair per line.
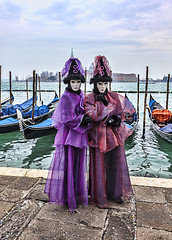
151,156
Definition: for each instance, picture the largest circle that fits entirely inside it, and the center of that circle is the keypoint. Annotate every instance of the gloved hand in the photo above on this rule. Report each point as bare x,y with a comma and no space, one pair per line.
109,122
114,121
86,119
117,121
102,98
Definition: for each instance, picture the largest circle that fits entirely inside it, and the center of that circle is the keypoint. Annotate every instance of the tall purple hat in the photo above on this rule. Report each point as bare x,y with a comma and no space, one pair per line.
102,70
73,70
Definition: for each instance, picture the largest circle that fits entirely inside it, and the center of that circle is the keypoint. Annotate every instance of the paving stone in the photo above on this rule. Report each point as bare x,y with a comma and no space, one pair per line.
168,195
2,187
23,183
32,219
90,216
37,173
170,208
7,180
10,171
42,229
42,181
12,195
120,227
5,207
38,193
119,207
149,194
151,182
18,218
153,215
153,234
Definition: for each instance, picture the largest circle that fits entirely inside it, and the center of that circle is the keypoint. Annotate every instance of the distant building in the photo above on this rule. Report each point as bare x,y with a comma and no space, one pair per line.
91,67
165,78
90,72
52,78
46,76
150,80
116,77
122,77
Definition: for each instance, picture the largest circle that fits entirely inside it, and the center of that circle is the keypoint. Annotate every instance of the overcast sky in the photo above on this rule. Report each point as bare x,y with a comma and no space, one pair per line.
132,34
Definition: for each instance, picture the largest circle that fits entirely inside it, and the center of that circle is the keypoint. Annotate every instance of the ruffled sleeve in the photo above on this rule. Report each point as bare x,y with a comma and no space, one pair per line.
69,111
67,119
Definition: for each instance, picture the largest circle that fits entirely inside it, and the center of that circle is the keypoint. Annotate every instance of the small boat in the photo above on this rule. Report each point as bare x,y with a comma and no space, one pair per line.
40,114
131,120
36,130
10,110
162,128
6,101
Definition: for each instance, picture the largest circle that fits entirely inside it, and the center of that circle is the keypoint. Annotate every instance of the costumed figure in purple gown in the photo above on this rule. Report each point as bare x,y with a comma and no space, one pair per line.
67,178
109,175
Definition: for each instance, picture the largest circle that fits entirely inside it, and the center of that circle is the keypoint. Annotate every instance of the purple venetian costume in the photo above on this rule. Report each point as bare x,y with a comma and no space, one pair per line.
109,176
67,177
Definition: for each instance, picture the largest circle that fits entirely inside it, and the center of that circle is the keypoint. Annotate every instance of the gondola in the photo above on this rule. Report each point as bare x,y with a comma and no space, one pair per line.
7,101
42,113
131,120
37,130
10,110
163,129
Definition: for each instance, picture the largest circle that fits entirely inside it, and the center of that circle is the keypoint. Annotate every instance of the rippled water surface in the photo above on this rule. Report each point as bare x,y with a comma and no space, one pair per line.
151,156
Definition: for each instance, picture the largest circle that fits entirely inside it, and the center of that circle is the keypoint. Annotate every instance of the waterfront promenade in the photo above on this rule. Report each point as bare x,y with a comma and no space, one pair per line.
25,213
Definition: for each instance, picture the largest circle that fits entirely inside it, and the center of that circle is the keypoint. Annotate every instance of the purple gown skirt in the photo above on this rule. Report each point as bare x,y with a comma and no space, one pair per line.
67,177
109,176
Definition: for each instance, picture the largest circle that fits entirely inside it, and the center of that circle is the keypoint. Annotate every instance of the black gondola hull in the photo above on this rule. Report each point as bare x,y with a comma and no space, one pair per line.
9,128
30,133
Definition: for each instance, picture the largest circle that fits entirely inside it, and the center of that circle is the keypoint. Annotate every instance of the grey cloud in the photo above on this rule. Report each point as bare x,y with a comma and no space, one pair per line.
61,11
135,14
132,14
115,42
10,11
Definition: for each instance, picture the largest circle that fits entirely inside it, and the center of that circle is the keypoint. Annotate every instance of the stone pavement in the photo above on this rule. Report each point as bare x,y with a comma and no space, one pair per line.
25,213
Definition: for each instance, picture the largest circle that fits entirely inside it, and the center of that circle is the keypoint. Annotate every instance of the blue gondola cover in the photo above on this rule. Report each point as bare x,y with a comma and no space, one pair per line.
46,123
11,109
9,120
167,128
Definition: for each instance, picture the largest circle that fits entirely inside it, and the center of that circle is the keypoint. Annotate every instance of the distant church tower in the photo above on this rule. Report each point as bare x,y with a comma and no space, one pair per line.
72,54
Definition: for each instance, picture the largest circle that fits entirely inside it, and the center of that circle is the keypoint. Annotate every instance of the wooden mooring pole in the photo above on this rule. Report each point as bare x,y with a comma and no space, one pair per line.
39,88
10,87
27,88
33,104
85,85
0,91
144,116
36,85
168,81
138,80
59,85
110,84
